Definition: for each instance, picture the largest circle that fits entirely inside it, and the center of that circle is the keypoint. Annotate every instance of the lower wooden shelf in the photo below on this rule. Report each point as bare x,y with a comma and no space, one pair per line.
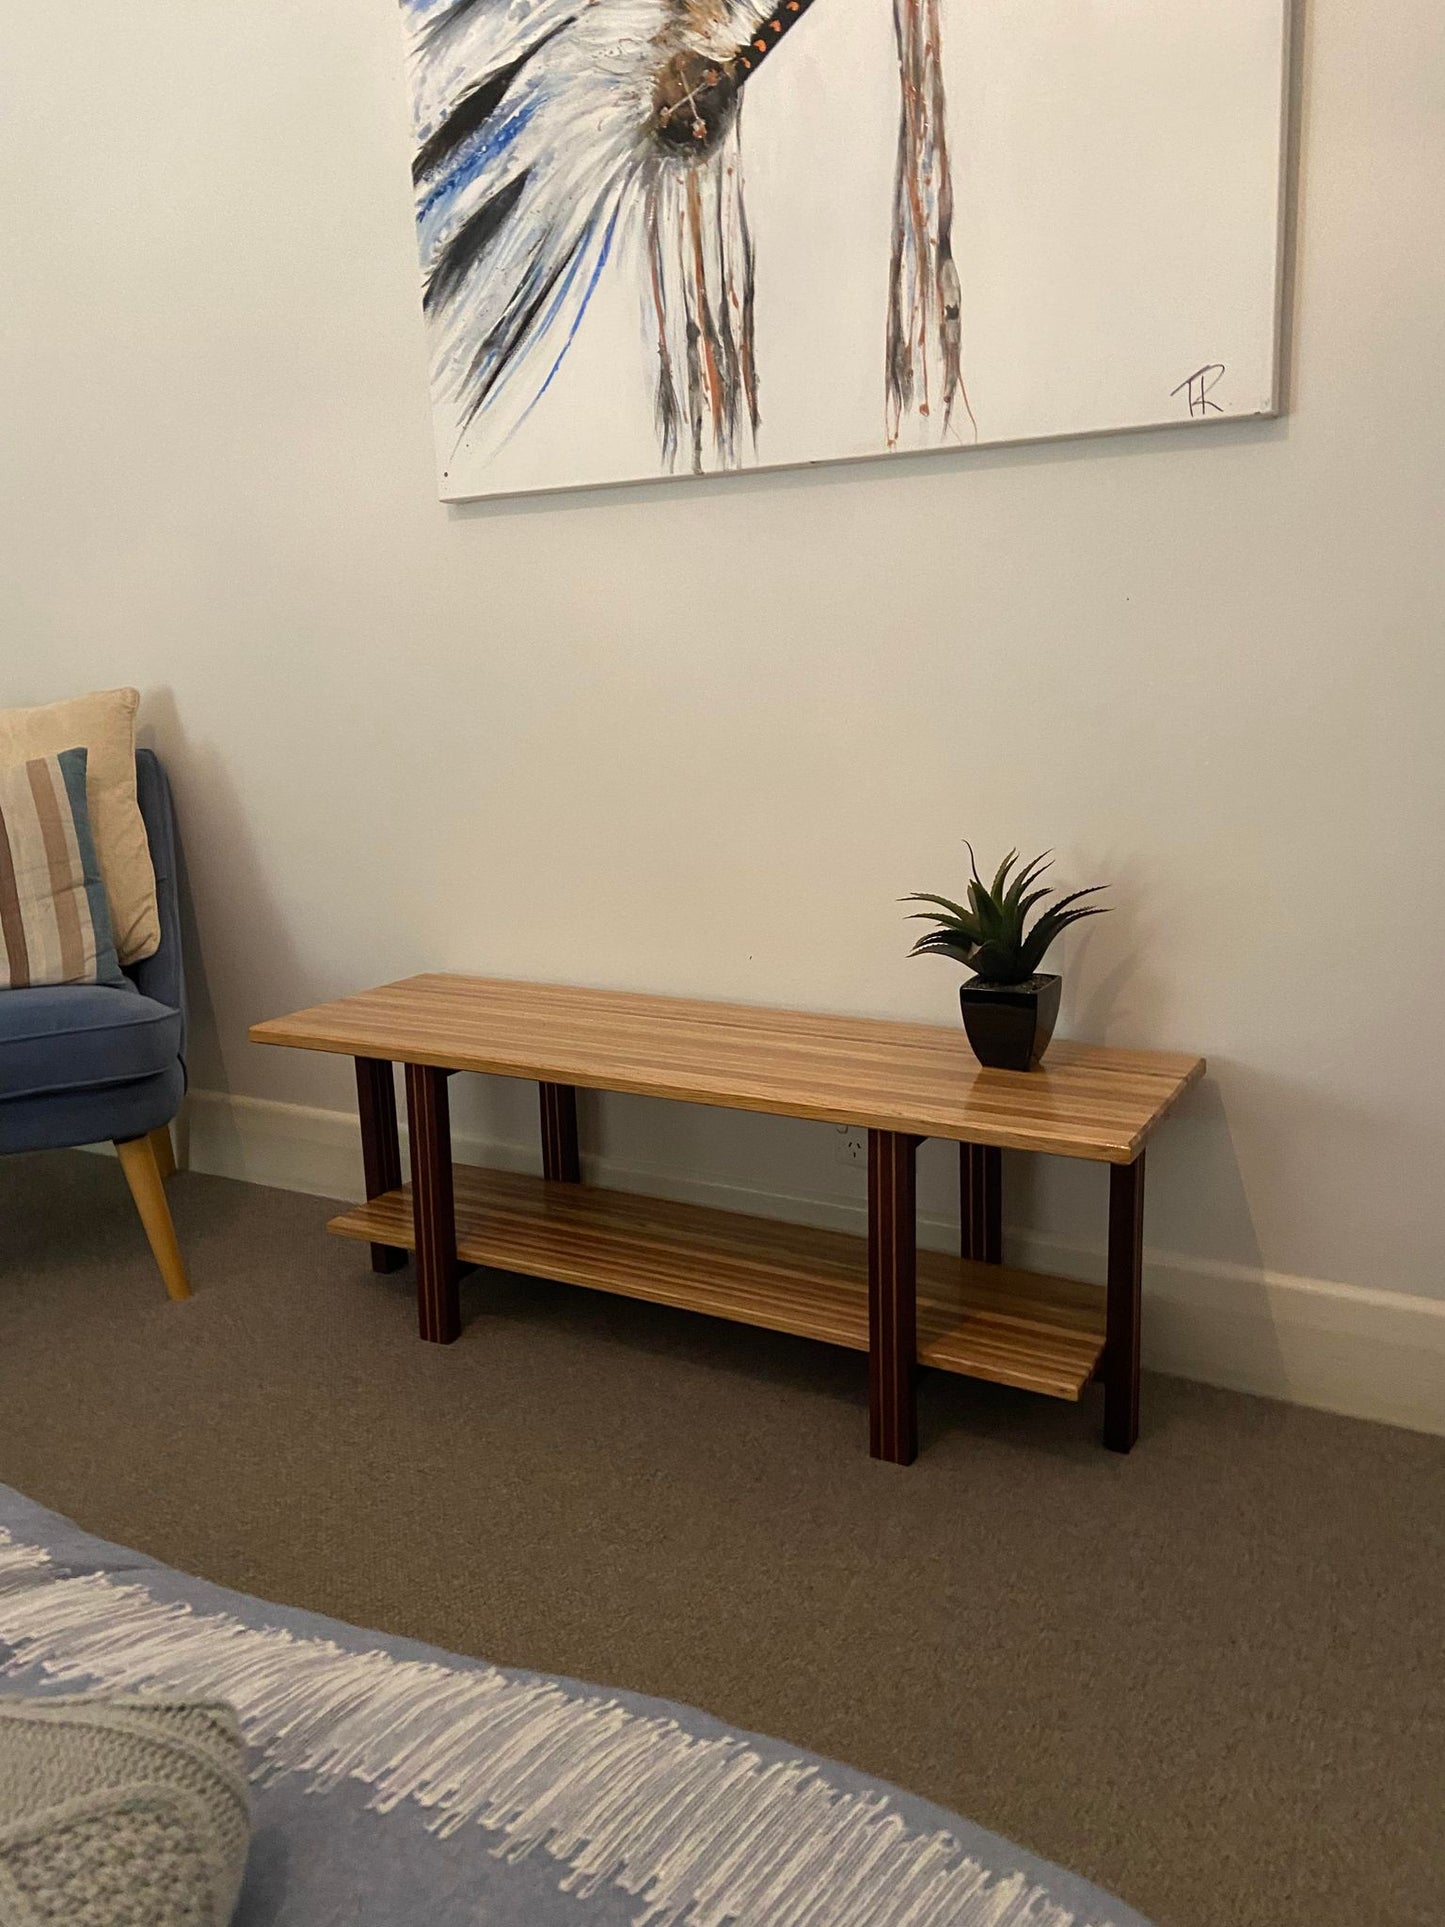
983,1321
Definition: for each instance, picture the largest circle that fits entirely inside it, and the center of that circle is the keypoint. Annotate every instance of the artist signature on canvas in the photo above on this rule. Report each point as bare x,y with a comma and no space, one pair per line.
1198,386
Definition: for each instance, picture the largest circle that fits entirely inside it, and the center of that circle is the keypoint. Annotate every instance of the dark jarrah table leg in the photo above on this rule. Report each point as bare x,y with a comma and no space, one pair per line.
561,1159
1125,1298
892,1297
438,1299
380,1145
980,1193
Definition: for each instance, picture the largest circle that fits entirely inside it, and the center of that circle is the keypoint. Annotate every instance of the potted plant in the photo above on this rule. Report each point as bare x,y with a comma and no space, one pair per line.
1009,1010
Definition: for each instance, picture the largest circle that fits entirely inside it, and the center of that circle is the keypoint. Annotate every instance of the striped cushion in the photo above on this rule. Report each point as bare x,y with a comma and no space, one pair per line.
54,923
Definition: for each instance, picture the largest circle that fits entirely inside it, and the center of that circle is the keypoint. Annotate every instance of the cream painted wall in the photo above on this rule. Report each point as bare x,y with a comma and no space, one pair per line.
698,738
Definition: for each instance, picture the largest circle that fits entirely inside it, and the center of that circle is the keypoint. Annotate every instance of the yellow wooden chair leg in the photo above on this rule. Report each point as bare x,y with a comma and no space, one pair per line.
142,1174
165,1152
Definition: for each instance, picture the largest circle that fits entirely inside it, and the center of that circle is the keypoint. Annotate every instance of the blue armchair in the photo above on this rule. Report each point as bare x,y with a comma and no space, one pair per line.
88,1062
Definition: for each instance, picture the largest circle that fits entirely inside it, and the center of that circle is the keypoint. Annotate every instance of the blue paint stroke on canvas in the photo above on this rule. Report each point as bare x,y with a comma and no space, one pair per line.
545,128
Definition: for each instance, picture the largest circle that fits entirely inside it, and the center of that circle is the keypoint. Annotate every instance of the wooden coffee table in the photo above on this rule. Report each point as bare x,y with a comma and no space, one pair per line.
903,1082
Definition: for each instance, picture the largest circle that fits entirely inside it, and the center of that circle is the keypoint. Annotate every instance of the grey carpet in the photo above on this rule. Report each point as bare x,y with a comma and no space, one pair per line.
1207,1676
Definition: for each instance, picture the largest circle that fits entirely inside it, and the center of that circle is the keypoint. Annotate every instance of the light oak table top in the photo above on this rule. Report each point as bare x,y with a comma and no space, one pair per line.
1087,1101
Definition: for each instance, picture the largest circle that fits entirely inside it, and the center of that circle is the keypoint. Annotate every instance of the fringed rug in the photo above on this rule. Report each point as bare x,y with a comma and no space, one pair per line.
399,1786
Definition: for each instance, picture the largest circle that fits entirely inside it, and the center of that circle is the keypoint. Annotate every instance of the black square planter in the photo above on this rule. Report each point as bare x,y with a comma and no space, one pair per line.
1009,1025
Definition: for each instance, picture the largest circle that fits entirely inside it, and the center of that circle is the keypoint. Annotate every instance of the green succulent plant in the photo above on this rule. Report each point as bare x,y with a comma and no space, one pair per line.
988,936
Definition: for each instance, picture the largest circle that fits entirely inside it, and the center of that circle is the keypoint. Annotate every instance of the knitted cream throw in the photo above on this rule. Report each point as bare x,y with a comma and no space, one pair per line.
120,1812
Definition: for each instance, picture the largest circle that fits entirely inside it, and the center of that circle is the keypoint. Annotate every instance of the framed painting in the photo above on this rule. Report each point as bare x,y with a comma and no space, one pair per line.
671,237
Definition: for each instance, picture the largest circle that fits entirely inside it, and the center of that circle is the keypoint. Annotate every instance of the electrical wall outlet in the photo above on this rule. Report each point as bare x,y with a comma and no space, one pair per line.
850,1144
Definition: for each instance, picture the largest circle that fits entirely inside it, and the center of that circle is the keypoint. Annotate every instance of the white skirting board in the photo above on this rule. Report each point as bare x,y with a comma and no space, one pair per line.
1344,1348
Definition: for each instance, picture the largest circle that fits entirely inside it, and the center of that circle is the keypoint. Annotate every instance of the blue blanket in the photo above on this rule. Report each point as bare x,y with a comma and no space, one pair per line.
399,1786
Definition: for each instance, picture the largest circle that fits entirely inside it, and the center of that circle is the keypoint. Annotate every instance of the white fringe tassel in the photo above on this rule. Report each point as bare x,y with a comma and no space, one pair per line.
703,1831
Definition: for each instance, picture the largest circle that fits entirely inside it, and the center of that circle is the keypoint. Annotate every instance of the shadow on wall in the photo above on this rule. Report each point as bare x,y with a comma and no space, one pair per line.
210,818
1211,1303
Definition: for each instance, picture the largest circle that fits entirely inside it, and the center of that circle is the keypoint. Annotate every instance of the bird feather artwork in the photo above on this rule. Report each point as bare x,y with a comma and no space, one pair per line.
690,236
